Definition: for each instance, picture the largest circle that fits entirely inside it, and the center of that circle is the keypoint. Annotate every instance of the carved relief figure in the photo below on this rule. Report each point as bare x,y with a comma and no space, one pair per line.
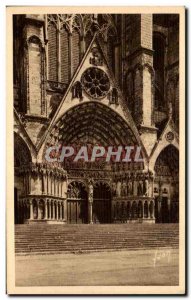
140,188
146,187
118,188
123,189
77,90
114,186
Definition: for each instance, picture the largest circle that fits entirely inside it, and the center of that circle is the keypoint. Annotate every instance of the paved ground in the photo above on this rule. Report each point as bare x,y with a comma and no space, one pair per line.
142,267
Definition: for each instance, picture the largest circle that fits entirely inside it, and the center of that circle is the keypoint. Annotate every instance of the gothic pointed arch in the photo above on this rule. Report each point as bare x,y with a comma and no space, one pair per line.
101,203
20,130
22,155
166,185
81,126
167,162
168,137
77,202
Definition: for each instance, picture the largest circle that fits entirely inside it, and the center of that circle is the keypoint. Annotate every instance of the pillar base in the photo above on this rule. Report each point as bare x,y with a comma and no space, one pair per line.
147,220
136,221
36,221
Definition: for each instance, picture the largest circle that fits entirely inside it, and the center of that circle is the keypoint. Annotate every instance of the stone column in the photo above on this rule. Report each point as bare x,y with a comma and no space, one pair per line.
90,203
29,183
149,214
90,212
61,187
46,209
43,184
38,209
143,202
134,185
53,211
52,185
57,208
58,183
48,184
159,202
82,46
153,210
50,209
143,76
61,210
65,210
55,191
31,210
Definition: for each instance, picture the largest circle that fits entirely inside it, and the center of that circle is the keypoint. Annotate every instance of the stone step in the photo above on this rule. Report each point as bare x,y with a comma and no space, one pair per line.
44,238
72,249
111,246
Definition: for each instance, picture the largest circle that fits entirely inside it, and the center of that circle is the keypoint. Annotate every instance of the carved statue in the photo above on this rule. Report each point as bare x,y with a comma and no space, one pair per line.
118,191
114,96
96,60
74,192
170,110
146,187
124,189
140,188
114,186
77,90
90,191
129,188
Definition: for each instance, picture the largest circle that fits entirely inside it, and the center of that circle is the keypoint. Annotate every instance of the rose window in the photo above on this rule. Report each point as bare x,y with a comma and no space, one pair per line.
95,82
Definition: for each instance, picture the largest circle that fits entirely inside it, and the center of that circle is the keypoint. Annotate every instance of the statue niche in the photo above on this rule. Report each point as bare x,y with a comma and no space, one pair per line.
96,60
123,189
113,97
77,90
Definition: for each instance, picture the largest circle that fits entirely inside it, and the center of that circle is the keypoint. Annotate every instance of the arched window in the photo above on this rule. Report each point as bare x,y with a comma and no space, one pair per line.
64,46
70,35
159,64
58,49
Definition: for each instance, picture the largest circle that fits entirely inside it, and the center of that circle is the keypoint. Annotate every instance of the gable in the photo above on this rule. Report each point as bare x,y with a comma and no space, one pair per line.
94,81
168,137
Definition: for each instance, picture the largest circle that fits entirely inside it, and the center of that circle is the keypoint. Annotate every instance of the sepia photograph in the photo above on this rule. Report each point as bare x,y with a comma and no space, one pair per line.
96,123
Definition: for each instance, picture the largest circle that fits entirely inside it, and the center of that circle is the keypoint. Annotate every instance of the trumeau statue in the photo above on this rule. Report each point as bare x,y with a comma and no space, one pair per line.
118,188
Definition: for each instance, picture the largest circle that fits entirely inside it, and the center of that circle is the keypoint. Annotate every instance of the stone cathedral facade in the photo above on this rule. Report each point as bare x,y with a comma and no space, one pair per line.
96,79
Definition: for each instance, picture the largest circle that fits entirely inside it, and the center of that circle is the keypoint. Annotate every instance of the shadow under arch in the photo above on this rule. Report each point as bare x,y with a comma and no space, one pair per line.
77,203
22,157
166,185
93,123
102,202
